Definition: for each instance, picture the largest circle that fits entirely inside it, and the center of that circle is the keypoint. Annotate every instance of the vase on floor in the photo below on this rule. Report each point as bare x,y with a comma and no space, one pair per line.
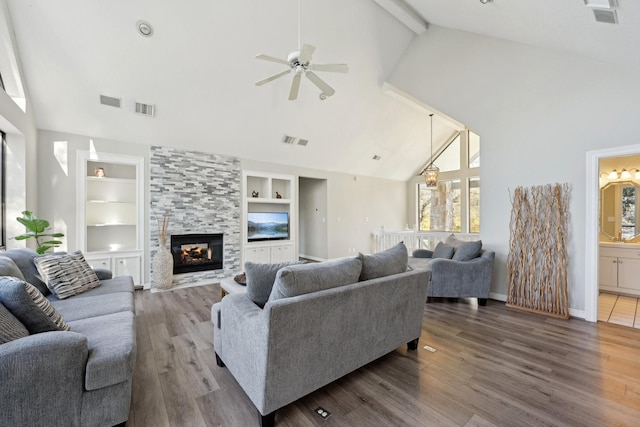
163,269
163,260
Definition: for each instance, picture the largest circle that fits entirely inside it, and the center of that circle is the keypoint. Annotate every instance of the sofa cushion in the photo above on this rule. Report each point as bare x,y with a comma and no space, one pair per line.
94,305
260,279
30,307
467,251
442,250
112,348
391,261
306,278
66,275
23,258
10,327
9,268
111,286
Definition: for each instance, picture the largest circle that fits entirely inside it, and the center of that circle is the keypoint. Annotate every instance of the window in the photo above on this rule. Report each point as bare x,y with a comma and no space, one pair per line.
455,204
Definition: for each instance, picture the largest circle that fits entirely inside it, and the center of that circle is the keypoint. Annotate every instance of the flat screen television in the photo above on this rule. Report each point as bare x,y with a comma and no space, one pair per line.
267,226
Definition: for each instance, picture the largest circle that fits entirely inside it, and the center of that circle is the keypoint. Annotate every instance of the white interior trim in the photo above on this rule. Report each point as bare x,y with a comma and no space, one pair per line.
405,14
591,225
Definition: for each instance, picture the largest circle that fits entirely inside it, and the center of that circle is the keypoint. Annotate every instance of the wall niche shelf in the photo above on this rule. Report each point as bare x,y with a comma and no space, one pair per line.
267,187
109,212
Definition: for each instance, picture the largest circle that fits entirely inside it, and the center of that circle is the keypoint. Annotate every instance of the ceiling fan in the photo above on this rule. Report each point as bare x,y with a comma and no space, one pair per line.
299,62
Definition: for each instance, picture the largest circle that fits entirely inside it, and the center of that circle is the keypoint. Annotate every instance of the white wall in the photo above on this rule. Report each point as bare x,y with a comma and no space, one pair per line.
58,179
19,126
312,218
356,206
537,112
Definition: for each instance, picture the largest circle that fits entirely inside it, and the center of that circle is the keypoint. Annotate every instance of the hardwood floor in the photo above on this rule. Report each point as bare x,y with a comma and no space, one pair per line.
492,366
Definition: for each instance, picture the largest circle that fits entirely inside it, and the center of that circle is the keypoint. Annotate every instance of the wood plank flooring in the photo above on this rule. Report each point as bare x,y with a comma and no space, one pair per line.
493,367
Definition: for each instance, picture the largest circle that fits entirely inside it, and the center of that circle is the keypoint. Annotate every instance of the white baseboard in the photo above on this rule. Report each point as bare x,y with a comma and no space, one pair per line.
580,314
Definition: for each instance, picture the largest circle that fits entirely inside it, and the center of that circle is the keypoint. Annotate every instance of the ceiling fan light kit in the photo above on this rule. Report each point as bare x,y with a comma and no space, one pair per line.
299,62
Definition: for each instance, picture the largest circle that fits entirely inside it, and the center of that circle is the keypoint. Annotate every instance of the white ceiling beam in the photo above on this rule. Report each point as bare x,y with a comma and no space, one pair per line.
405,14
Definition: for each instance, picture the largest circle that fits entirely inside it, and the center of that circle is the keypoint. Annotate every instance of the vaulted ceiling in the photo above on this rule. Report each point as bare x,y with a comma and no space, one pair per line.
199,70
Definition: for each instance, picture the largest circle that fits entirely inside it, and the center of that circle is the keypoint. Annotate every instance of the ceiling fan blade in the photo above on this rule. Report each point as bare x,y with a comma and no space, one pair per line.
334,68
324,87
275,76
295,86
305,53
272,59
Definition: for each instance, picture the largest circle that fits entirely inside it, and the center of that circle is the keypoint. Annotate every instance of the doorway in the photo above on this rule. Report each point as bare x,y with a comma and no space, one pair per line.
592,226
312,217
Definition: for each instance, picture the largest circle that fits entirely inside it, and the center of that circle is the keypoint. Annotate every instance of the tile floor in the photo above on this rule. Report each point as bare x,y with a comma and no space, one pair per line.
619,310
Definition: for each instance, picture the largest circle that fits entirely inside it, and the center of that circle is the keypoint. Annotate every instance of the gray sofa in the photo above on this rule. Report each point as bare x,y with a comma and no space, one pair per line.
80,377
464,276
321,322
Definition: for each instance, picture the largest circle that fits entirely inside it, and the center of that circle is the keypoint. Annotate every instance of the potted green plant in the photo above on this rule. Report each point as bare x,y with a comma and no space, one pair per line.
37,228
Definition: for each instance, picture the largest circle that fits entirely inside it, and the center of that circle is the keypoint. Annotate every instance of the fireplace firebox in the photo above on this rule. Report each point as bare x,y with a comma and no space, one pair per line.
196,252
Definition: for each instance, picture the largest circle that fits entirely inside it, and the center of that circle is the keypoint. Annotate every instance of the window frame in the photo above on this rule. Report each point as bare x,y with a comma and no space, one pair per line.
3,181
464,175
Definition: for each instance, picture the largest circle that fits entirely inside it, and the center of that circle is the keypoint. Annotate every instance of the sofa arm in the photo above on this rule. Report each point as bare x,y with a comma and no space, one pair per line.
451,278
103,273
42,379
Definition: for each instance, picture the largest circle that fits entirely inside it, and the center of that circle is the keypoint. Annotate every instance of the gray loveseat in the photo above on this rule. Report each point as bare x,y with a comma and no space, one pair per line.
80,377
458,269
321,322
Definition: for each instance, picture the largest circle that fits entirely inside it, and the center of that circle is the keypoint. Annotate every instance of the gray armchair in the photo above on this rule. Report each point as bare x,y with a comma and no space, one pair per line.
457,279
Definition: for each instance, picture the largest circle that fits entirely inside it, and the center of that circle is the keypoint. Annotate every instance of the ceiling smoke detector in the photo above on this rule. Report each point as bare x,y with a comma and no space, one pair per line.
144,28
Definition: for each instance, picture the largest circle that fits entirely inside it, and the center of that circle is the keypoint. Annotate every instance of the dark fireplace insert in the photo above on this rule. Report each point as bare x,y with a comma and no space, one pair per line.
196,252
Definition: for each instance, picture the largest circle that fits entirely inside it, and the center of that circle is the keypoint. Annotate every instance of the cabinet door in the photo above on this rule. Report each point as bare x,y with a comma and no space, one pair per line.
608,271
128,266
259,254
282,253
103,262
629,273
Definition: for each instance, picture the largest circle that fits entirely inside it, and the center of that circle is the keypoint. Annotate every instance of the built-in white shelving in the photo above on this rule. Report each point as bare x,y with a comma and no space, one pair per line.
110,213
266,192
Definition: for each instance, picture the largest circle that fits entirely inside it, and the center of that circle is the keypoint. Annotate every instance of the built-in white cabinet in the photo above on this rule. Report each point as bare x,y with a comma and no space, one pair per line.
110,213
269,217
619,269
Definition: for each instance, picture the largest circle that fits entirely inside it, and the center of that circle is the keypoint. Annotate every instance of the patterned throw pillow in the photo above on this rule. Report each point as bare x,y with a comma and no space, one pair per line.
10,327
30,307
67,275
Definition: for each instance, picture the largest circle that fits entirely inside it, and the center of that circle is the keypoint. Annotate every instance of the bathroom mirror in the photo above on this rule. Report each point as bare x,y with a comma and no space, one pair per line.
619,210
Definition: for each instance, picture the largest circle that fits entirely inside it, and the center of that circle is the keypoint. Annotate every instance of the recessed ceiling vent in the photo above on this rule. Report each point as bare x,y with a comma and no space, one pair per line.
606,16
145,109
303,142
110,101
289,139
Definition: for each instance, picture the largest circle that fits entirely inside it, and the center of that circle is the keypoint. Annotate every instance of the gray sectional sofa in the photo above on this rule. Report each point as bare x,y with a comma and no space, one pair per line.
80,377
459,269
320,322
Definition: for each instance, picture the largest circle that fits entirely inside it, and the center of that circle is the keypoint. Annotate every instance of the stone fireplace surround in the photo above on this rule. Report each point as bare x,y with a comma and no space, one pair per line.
201,194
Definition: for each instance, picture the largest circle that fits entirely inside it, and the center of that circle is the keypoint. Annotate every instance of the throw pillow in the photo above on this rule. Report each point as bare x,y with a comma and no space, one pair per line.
307,278
10,327
30,307
392,261
9,268
67,275
24,259
442,251
467,251
452,240
260,279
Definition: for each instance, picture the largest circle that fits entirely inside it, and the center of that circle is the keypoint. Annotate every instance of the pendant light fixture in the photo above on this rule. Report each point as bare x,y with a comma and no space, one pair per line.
431,171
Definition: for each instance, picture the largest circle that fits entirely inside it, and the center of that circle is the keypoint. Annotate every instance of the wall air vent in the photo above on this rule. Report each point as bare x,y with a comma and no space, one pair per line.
110,101
606,16
145,109
289,139
376,157
303,142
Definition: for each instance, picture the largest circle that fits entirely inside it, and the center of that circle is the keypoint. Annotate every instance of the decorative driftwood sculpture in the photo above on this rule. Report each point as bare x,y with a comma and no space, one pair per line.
538,260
